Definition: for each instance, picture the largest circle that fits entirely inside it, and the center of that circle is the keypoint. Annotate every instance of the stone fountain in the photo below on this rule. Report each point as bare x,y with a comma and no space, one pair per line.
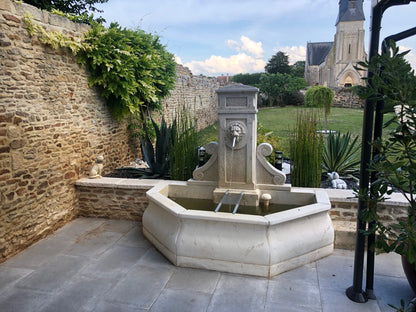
238,174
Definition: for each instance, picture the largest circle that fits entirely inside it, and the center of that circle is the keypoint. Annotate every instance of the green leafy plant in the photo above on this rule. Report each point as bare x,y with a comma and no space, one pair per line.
132,68
55,39
81,18
306,146
157,156
411,307
395,164
267,136
276,86
183,151
76,7
341,154
320,96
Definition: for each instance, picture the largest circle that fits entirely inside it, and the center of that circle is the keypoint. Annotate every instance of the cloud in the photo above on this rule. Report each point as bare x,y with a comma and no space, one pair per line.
251,47
248,60
217,65
295,53
177,59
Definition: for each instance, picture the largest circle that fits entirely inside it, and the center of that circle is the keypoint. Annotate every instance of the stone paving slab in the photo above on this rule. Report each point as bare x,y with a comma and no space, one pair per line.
98,265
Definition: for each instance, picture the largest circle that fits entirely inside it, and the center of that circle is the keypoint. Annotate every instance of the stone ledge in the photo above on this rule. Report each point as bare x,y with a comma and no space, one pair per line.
118,183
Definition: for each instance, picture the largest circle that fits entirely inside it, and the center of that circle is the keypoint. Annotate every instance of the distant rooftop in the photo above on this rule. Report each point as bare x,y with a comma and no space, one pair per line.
317,52
350,10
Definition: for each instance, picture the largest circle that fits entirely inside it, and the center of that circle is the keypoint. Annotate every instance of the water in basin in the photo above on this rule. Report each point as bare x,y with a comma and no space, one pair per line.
209,205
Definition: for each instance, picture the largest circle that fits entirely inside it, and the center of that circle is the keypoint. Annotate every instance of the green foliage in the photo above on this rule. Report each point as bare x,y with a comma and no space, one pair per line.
320,96
298,69
268,136
279,63
82,18
411,307
157,157
76,7
393,81
247,79
306,146
138,126
395,163
183,151
277,86
55,39
132,68
341,154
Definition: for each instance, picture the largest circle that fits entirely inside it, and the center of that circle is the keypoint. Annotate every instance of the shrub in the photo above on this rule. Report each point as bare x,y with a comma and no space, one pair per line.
267,136
306,146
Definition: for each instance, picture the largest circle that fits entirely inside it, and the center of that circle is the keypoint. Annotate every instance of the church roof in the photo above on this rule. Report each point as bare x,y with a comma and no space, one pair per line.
350,10
316,52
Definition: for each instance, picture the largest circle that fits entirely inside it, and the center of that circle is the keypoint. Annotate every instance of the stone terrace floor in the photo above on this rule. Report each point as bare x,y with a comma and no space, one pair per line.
106,265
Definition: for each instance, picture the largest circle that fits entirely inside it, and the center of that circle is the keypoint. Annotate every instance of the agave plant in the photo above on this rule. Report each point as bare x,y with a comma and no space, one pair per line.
157,157
341,154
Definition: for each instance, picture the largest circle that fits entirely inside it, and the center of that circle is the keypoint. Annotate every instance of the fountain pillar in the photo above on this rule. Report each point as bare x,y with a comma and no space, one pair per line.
237,136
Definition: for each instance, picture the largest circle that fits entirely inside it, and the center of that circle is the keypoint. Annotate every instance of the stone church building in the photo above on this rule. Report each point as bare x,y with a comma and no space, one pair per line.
332,64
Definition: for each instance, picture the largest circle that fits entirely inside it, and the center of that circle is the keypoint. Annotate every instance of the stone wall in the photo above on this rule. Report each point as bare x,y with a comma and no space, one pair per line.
113,198
344,97
52,127
195,94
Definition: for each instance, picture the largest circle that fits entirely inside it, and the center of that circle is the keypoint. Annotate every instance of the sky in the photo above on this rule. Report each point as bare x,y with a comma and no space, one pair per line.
220,37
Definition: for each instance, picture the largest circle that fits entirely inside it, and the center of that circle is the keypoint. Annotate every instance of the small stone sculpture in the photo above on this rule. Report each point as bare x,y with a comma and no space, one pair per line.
97,169
336,182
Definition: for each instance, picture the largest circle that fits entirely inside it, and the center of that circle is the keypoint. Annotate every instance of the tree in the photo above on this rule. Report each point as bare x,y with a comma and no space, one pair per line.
76,7
320,96
279,63
247,79
298,69
277,86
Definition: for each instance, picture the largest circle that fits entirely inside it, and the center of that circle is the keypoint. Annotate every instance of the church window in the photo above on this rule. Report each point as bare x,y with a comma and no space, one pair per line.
349,48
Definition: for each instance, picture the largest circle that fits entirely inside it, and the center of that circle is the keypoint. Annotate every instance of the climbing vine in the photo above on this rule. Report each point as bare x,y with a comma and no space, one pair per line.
53,38
131,68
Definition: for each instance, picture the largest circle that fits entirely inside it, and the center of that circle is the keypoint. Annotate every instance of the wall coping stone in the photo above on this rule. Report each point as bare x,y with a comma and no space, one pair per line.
120,183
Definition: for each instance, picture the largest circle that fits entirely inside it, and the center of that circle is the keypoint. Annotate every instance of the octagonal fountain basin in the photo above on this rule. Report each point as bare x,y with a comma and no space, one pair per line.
261,245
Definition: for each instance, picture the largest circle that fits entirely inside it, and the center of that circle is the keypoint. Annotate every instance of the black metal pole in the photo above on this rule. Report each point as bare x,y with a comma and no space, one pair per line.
378,131
355,292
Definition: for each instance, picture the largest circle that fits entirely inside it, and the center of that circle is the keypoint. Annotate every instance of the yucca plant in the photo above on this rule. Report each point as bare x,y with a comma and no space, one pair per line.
306,146
341,154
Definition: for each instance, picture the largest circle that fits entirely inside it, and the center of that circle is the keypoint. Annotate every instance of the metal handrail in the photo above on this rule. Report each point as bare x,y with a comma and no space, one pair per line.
238,202
221,201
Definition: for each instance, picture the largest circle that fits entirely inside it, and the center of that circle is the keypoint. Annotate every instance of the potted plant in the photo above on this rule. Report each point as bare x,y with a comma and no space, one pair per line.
394,82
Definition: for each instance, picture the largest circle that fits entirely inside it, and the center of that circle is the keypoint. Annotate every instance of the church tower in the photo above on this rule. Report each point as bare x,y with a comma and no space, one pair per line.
332,64
348,46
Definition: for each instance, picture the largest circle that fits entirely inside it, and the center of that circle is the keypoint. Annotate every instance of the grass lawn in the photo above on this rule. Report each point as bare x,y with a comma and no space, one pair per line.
281,119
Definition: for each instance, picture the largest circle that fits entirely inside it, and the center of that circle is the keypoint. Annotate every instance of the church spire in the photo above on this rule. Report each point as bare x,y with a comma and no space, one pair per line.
350,10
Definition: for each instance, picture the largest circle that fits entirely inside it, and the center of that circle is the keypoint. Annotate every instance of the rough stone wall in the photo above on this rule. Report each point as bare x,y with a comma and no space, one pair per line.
345,98
195,94
112,203
346,210
52,127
